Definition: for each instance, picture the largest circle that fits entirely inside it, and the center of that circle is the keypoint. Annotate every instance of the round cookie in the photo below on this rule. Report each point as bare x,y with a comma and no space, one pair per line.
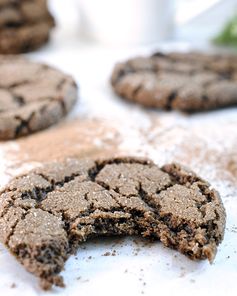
33,96
188,82
45,214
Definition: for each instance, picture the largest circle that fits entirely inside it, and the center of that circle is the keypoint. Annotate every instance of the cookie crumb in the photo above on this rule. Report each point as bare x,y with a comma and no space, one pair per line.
182,274
85,281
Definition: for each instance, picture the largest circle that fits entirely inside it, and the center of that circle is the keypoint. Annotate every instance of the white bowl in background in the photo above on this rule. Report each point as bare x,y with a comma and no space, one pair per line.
126,22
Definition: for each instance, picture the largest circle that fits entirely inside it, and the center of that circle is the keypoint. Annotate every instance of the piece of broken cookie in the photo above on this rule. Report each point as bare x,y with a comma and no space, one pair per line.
48,212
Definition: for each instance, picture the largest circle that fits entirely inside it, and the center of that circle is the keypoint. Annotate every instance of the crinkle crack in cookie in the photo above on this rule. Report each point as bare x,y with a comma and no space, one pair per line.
188,82
47,213
32,96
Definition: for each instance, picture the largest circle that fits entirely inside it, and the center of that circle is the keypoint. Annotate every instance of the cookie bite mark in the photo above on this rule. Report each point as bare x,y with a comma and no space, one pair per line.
46,214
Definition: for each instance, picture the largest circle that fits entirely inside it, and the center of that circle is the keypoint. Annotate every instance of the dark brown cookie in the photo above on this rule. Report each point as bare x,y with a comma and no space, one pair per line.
24,25
188,82
24,12
32,96
24,38
48,212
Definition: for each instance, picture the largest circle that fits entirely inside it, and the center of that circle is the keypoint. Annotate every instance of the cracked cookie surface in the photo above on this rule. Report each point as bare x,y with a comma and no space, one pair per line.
188,82
47,213
32,96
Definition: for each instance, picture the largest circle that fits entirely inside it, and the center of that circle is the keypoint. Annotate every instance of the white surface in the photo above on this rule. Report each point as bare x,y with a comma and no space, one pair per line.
164,272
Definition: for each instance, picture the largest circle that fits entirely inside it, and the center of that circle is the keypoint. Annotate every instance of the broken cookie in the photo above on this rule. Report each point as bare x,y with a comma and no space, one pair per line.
48,212
32,96
181,81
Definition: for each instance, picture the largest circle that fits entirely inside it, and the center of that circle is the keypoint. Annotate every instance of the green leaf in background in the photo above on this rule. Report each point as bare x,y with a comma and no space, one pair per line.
228,36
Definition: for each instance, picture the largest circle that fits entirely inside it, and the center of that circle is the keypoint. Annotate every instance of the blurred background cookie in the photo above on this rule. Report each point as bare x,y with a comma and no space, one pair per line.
33,96
183,81
24,25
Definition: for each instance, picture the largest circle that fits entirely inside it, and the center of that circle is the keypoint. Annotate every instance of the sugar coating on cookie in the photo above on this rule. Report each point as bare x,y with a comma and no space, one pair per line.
33,96
47,213
183,81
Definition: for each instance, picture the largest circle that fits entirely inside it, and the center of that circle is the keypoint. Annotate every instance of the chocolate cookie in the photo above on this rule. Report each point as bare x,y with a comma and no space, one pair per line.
32,96
24,25
188,82
24,38
13,14
48,212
